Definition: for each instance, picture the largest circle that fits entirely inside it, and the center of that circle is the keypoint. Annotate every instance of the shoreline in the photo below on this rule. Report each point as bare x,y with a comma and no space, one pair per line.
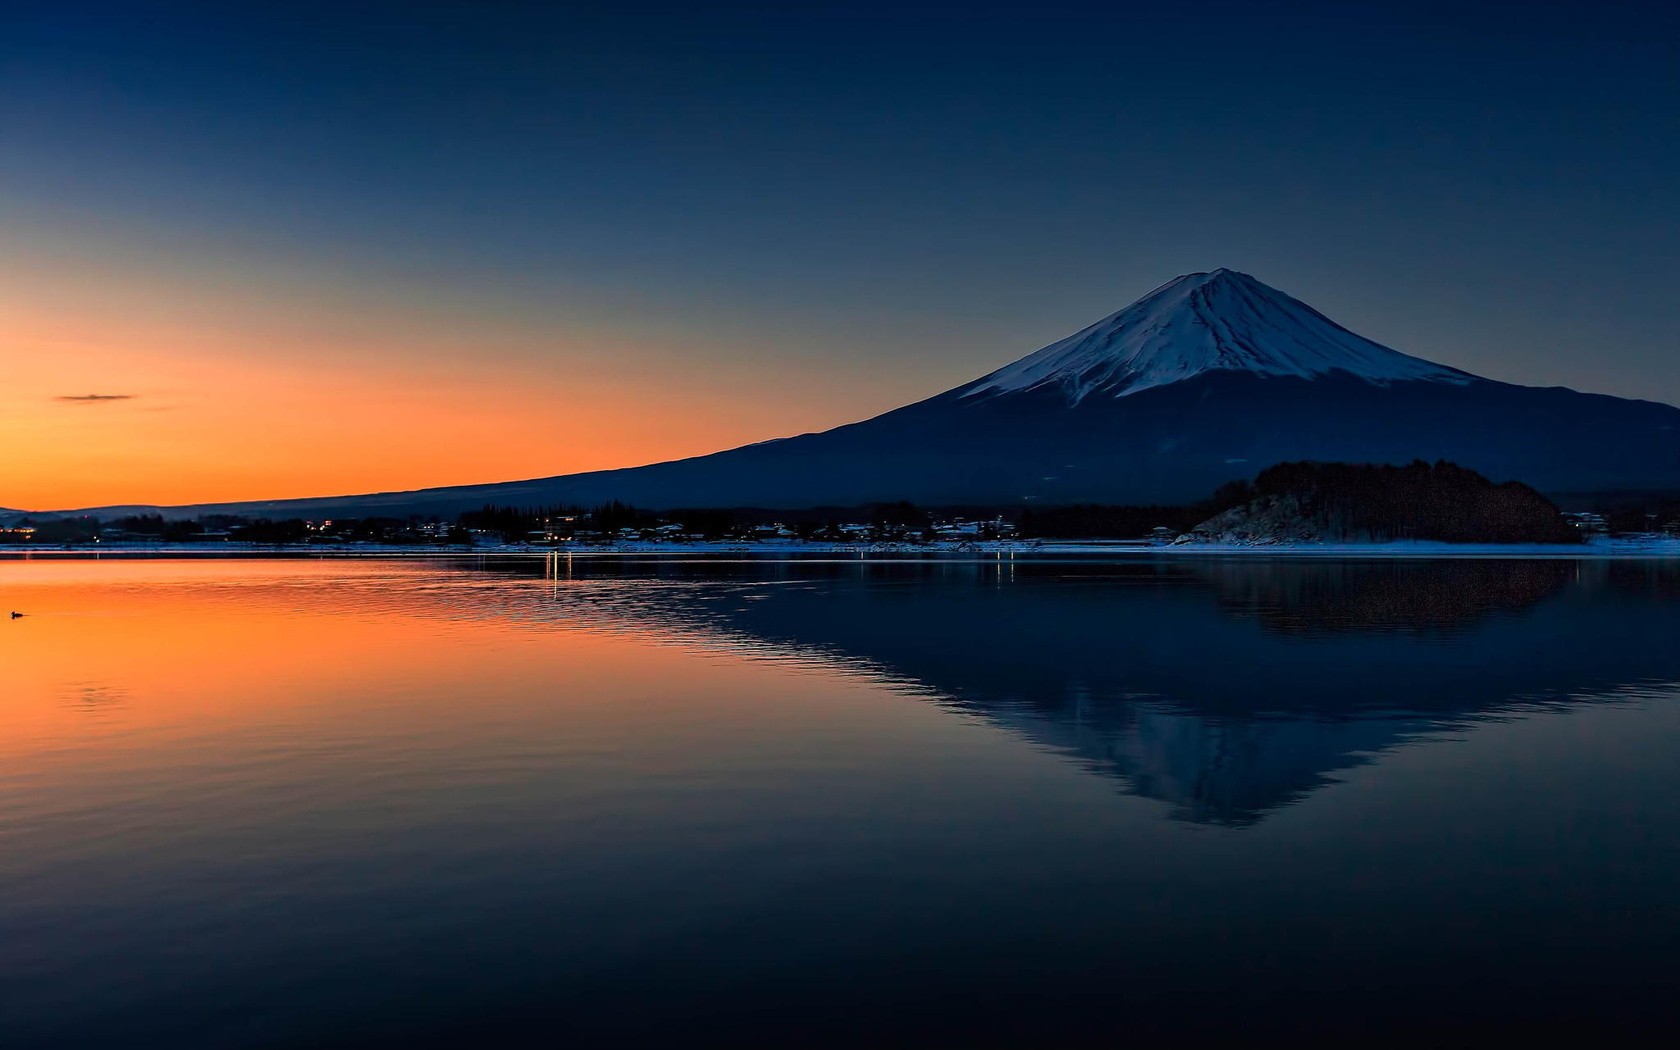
1644,547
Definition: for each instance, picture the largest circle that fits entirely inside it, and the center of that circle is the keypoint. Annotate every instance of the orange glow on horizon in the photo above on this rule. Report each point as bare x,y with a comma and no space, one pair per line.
230,392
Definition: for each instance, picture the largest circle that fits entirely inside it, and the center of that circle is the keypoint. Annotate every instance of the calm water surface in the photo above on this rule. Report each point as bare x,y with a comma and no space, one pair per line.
300,803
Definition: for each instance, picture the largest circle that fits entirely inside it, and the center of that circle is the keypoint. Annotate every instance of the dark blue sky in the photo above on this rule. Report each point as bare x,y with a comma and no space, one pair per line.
883,201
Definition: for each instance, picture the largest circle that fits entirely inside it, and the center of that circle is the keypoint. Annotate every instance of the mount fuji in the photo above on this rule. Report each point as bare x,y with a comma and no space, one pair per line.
1209,378
1222,321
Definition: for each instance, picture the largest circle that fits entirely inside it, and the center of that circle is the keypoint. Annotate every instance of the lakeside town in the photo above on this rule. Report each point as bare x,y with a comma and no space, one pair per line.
601,532
601,528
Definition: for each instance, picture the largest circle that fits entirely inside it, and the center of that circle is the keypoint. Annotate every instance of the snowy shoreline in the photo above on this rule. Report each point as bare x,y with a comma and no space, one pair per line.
1639,547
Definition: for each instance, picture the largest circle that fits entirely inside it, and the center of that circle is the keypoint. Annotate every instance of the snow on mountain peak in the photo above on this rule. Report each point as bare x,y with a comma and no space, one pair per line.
1221,320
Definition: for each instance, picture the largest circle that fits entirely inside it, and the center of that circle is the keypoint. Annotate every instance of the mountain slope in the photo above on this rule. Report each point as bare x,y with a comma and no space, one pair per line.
1211,377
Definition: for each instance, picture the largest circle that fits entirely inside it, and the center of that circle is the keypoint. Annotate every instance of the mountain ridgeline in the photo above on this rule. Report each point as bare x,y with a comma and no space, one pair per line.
1202,381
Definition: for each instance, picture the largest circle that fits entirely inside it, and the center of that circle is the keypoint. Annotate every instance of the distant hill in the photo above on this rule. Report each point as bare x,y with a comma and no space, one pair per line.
1367,503
1200,382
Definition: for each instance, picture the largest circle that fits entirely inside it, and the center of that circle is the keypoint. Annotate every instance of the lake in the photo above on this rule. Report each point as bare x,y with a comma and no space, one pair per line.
274,803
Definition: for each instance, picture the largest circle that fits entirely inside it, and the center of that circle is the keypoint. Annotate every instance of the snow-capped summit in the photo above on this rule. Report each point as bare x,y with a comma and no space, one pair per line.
1205,322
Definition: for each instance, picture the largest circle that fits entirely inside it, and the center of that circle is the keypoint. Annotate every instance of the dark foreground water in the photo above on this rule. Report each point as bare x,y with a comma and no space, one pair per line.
941,803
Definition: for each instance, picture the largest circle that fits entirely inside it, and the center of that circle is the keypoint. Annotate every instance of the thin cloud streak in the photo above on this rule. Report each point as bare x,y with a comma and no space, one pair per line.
92,399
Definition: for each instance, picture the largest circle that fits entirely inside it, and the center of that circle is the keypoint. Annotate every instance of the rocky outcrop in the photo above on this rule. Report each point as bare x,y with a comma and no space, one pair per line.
1268,519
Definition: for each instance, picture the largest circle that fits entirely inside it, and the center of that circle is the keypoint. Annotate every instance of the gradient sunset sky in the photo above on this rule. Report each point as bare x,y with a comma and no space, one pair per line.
264,251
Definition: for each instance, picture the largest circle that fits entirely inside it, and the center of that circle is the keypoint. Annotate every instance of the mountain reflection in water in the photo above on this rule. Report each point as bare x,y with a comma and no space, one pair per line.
926,802
1225,688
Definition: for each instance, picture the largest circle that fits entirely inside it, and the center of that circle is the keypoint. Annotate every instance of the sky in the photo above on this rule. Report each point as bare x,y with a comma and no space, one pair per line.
255,251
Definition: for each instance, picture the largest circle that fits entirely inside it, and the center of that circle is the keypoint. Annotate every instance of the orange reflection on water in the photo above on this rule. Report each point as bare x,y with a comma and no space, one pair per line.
163,662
